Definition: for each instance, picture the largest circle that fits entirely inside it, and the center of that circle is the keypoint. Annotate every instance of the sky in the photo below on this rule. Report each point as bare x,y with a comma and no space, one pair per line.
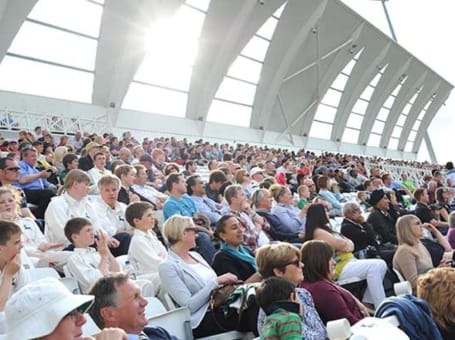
425,28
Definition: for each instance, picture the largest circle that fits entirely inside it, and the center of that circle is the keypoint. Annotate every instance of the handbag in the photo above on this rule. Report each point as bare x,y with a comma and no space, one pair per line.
219,295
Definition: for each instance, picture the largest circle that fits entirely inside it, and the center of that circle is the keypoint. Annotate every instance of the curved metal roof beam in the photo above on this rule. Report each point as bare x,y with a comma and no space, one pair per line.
12,16
228,27
337,65
438,101
120,48
370,62
296,23
431,85
427,81
392,76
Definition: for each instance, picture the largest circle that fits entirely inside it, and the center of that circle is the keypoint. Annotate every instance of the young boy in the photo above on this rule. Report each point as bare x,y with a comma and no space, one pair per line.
304,195
146,252
277,297
87,264
12,275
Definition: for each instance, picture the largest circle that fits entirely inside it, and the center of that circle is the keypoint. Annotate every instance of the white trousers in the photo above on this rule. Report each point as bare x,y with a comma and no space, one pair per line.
373,270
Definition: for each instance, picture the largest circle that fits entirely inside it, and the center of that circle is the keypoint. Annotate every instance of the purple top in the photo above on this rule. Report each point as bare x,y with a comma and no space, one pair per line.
333,302
451,237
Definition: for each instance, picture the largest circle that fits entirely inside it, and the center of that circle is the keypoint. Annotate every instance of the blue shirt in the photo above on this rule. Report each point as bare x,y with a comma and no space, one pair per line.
207,207
175,206
289,217
37,184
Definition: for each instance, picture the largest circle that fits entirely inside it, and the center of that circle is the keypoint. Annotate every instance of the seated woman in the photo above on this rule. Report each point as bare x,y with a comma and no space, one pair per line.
332,301
232,256
189,280
347,266
437,287
290,216
33,240
329,196
412,258
442,205
283,260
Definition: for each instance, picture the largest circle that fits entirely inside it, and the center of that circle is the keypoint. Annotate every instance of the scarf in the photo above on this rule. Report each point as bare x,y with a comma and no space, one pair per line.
242,254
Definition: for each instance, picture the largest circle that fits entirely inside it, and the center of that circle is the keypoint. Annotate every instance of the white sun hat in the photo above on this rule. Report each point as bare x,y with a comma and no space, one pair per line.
36,309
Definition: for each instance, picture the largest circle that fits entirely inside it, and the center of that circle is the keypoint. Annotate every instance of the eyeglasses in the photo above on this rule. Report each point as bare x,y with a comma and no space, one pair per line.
15,169
295,263
191,229
75,313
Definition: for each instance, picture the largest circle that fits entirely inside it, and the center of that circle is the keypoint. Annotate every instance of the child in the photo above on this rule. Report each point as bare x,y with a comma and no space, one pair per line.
40,251
87,264
362,196
304,194
146,252
12,275
277,297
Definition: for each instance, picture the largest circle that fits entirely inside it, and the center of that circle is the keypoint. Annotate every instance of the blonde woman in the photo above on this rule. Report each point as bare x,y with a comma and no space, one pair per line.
189,279
35,245
412,258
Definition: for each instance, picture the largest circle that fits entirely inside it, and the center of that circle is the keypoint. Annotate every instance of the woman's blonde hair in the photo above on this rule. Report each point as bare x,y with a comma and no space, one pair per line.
404,231
59,153
277,190
174,228
275,256
437,287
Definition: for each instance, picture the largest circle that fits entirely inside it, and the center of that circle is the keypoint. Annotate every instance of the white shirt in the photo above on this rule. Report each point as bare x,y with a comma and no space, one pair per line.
148,192
83,266
95,175
63,208
146,252
31,237
111,220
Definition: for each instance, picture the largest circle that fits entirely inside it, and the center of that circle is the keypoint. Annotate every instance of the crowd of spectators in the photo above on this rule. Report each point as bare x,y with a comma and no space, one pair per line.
192,216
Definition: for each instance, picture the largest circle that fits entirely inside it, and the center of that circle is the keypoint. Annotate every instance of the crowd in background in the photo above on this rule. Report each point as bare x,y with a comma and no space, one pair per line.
192,216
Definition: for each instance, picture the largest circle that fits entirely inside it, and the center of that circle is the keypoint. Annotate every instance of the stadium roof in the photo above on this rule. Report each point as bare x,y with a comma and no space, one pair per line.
310,73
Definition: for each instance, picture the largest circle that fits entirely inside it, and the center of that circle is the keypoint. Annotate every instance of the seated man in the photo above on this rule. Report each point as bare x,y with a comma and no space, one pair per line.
146,251
204,205
97,172
9,175
119,303
252,224
45,309
382,218
34,182
212,189
146,192
179,203
361,233
126,173
86,264
424,212
111,214
262,201
12,275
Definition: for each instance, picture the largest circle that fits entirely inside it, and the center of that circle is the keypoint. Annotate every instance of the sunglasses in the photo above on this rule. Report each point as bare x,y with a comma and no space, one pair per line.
191,229
295,263
13,169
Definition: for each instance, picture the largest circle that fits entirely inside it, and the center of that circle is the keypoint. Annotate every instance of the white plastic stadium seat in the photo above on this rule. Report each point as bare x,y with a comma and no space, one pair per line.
177,322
